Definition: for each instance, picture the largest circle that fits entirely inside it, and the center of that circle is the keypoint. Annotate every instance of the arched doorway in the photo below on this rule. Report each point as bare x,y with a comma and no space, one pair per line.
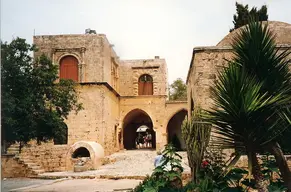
132,121
69,68
174,130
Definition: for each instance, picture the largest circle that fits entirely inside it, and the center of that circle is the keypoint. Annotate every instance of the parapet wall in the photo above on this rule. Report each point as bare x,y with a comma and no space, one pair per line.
49,156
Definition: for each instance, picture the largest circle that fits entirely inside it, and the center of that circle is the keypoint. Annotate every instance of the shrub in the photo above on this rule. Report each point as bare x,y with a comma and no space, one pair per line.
167,176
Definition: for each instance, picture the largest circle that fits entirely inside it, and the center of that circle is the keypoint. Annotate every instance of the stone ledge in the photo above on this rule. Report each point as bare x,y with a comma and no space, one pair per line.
174,102
112,177
7,155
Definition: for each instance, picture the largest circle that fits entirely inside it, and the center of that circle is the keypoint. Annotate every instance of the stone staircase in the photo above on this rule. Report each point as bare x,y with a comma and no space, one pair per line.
33,168
13,149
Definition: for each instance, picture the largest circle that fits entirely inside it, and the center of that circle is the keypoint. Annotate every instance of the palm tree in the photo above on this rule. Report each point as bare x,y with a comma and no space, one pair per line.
255,49
252,98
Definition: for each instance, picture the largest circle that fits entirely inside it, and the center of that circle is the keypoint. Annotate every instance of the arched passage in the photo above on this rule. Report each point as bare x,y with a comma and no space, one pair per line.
174,130
132,121
69,68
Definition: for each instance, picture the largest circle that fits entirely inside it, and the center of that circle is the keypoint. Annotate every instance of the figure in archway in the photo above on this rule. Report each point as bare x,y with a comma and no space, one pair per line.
136,124
148,139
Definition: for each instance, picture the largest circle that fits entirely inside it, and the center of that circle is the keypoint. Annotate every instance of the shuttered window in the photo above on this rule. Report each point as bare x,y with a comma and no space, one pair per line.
145,85
69,68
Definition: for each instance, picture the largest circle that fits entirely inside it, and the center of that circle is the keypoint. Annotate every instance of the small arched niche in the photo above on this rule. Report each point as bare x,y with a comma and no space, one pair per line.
91,151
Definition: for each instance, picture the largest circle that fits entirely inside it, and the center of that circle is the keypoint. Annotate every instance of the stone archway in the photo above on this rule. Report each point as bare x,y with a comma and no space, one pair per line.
174,130
90,149
132,121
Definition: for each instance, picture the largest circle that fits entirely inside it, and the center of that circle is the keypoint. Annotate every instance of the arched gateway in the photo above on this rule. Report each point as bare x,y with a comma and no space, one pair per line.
132,121
174,129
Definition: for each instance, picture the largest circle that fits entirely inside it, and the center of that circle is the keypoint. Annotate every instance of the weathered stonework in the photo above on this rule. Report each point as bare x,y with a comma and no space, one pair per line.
47,155
10,167
206,62
108,90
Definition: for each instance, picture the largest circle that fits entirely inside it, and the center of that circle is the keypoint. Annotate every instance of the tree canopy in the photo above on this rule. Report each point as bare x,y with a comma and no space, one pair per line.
243,15
178,90
34,102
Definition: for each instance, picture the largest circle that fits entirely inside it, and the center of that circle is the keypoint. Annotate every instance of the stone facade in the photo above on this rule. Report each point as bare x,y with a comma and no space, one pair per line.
108,89
207,61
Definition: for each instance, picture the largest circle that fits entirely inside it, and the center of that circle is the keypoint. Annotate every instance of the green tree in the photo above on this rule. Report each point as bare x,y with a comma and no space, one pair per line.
252,100
243,15
178,90
33,105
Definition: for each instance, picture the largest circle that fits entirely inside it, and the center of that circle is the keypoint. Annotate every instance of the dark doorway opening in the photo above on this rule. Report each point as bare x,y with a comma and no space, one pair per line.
133,120
174,130
81,152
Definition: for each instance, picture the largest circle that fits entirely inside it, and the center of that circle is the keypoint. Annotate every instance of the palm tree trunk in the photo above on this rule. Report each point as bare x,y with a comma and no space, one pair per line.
257,174
275,149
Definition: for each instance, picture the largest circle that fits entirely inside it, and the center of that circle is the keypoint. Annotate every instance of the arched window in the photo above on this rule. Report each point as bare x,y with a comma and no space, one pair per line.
69,68
145,85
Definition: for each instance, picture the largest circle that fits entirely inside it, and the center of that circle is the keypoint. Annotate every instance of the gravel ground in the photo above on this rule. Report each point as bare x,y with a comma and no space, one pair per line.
9,184
128,163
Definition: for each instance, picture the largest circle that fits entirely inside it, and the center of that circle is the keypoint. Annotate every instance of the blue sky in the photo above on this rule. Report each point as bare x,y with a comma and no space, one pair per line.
139,29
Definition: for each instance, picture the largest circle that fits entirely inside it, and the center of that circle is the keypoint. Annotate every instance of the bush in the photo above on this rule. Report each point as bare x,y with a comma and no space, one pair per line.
167,176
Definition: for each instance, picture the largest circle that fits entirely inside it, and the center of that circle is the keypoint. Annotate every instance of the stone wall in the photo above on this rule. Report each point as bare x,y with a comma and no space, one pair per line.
97,121
111,65
49,156
92,51
87,123
131,70
111,119
243,161
206,63
10,167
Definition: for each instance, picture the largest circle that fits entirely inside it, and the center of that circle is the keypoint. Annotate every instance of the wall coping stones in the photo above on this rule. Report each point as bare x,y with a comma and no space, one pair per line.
221,49
174,102
102,83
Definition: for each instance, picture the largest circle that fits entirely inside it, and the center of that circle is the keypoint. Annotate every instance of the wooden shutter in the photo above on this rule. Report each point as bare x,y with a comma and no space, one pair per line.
69,68
145,85
141,87
148,88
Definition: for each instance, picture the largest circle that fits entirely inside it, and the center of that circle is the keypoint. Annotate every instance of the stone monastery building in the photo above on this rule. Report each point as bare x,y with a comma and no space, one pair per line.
118,95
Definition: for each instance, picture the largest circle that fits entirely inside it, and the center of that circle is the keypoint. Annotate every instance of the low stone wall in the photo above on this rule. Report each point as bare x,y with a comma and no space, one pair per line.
243,161
10,167
49,156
